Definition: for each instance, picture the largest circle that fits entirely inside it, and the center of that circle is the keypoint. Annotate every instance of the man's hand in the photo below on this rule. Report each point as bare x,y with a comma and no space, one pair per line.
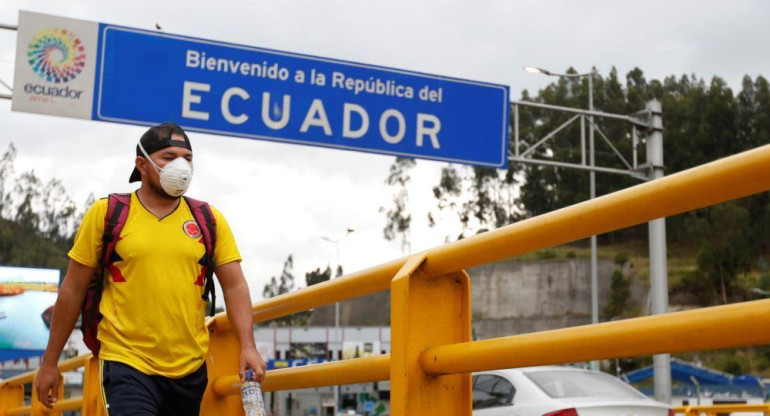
65,314
250,359
47,384
238,303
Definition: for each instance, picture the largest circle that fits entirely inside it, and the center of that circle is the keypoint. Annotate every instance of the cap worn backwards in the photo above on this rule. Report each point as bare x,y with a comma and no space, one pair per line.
158,138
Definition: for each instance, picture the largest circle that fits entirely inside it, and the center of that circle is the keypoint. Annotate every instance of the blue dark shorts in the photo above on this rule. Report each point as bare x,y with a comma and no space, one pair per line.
129,392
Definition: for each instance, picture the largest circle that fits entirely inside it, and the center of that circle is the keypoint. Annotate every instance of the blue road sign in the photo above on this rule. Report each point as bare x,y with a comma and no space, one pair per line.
119,74
145,77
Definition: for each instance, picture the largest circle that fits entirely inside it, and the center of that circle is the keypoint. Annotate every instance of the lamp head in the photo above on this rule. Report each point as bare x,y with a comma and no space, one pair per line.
536,70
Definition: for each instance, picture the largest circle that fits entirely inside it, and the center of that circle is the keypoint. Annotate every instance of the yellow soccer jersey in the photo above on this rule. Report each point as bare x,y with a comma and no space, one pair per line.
152,307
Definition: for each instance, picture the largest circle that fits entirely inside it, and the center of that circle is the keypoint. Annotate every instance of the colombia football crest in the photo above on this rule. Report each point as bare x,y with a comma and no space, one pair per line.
191,229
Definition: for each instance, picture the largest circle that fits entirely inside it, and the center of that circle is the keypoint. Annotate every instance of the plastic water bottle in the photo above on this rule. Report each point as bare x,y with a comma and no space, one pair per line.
251,395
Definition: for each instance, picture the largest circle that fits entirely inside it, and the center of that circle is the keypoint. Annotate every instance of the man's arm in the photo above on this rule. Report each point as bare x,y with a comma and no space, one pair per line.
238,302
65,315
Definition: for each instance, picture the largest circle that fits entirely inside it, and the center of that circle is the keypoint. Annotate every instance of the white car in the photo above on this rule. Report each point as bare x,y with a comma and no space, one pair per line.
559,391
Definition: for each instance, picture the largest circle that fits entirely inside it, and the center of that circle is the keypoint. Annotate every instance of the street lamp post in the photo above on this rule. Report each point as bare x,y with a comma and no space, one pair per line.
592,179
337,336
657,227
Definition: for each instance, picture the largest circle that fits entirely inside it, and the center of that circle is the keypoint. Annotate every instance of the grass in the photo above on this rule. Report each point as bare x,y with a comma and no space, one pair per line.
681,260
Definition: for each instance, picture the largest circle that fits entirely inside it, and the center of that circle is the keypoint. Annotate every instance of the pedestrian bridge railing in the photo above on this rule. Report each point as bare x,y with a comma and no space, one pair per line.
432,354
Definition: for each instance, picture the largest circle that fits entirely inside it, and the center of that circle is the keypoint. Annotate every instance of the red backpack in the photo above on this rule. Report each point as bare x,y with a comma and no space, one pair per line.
114,220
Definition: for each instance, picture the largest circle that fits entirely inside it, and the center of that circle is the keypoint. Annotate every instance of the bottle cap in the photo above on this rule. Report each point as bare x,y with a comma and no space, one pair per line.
249,375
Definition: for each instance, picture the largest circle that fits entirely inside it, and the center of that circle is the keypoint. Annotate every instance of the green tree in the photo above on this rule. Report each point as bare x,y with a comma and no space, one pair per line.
724,250
6,172
398,218
317,276
620,293
703,121
28,189
37,220
282,285
58,213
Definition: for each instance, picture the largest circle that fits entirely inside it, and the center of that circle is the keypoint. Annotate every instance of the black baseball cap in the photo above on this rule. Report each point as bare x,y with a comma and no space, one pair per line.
159,138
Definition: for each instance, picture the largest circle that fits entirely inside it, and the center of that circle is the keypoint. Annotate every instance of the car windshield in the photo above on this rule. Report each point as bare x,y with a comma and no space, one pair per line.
560,384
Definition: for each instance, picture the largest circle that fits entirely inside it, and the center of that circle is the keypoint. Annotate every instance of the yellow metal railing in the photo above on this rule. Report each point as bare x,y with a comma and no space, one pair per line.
431,349
12,392
718,409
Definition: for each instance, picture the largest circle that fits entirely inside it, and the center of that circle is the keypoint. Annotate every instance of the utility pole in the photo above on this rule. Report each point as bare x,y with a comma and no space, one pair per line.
658,266
592,173
592,176
337,336
13,28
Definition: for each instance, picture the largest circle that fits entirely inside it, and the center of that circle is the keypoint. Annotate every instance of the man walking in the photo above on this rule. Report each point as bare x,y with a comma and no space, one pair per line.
152,334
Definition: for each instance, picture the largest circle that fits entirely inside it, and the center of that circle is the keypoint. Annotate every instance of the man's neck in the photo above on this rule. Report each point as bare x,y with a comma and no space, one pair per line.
156,204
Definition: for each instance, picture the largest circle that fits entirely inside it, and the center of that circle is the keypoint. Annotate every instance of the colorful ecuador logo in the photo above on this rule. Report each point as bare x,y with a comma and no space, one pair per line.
56,55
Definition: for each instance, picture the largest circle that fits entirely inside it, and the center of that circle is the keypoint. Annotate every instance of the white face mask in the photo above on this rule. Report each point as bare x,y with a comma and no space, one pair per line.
175,177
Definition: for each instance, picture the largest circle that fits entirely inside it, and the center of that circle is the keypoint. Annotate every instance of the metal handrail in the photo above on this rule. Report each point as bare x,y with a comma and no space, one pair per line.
725,179
356,370
727,326
66,365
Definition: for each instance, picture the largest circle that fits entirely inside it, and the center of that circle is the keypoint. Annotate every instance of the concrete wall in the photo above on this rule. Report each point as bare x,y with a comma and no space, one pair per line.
519,297
511,297
370,310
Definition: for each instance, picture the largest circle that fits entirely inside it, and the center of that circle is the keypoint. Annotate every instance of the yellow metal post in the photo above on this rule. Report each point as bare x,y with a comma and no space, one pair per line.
11,397
427,311
37,408
93,405
221,361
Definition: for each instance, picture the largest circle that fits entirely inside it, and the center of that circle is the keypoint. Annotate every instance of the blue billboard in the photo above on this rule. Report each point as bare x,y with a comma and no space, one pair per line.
145,77
27,297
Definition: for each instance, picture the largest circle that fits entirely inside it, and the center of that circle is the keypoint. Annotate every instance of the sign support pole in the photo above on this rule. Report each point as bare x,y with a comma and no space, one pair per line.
658,267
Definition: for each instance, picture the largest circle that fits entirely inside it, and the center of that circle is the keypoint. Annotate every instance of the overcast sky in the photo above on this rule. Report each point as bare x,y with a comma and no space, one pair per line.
281,198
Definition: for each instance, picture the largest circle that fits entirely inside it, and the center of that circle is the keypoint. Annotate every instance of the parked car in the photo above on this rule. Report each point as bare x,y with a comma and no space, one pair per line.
559,391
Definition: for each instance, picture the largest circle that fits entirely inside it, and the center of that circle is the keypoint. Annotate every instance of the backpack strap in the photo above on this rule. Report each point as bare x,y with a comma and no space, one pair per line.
114,220
203,215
